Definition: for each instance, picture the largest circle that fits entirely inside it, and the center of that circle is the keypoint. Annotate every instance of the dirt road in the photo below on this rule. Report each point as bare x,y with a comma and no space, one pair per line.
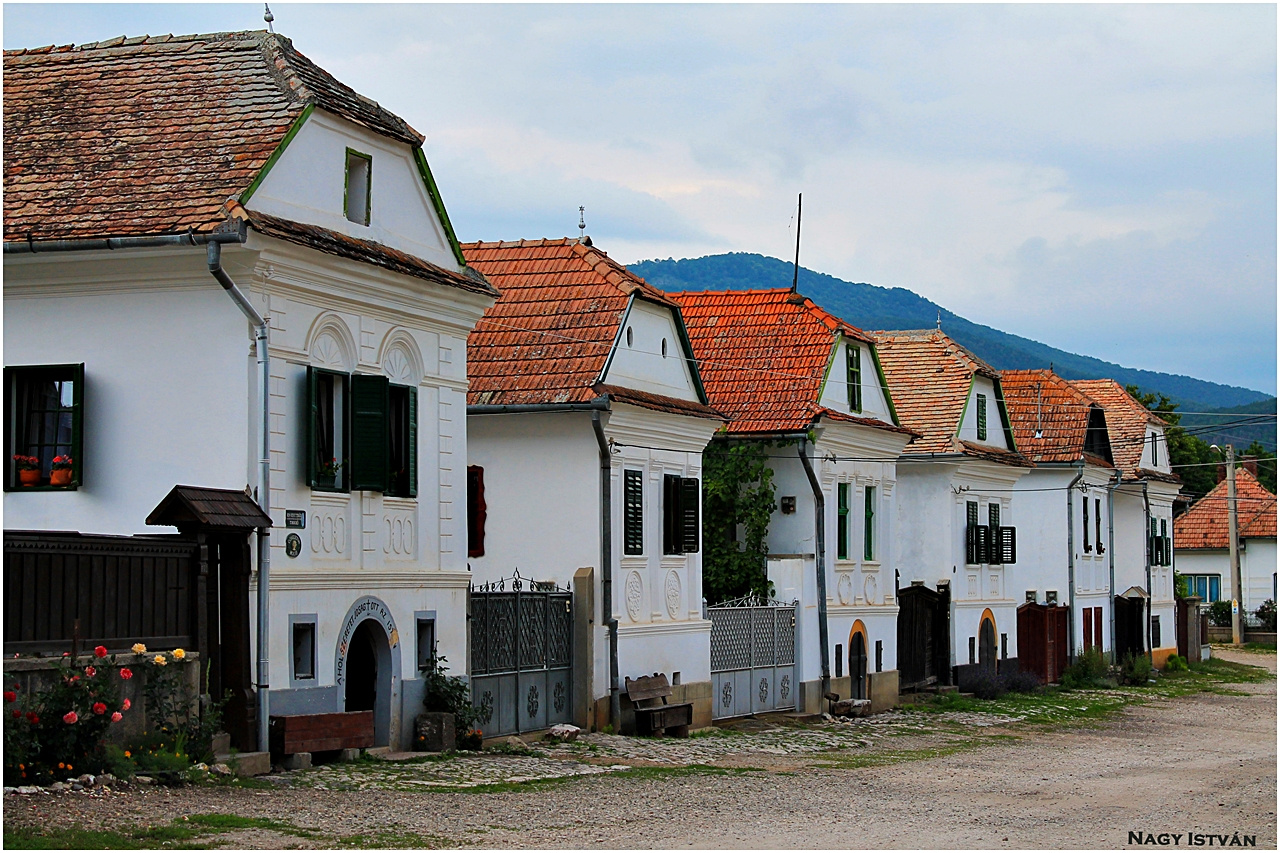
1204,763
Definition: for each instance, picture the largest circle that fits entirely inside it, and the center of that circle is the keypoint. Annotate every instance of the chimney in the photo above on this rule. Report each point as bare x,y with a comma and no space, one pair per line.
1250,464
1222,471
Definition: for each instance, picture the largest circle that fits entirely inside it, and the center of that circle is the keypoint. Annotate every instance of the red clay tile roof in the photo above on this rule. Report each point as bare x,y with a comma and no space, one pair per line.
1127,421
546,340
657,402
763,355
369,252
930,375
152,135
1042,400
1205,525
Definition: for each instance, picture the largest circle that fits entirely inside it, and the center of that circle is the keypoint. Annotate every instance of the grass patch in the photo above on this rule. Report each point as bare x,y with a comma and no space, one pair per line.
844,761
43,838
183,833
1259,647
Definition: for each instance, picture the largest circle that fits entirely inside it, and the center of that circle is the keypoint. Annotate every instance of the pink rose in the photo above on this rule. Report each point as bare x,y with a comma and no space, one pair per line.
117,717
90,671
126,673
127,704
70,717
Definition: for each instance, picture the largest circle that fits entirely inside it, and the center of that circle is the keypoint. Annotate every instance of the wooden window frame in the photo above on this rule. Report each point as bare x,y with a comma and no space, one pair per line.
681,504
842,521
17,400
632,512
982,417
368,189
994,552
1084,518
402,408
869,524
1097,525
853,376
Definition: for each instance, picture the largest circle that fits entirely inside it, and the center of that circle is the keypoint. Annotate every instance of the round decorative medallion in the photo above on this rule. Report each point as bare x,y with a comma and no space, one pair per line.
635,591
869,589
844,588
673,594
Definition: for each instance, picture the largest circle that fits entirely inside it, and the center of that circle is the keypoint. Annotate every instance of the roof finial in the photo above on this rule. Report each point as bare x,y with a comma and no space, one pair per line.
268,17
939,319
582,222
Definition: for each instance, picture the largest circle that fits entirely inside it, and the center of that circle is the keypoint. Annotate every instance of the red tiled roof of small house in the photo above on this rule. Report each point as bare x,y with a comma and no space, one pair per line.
1205,525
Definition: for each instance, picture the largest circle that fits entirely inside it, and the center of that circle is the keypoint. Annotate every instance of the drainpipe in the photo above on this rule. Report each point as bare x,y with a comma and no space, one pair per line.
1071,559
820,564
1146,534
606,570
264,483
1111,564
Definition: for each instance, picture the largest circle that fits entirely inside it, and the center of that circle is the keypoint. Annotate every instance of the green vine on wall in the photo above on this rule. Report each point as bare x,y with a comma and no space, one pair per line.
737,504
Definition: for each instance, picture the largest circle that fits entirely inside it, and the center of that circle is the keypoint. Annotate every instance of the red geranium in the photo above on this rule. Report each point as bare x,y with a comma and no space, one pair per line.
126,673
70,717
99,708
90,671
32,718
100,651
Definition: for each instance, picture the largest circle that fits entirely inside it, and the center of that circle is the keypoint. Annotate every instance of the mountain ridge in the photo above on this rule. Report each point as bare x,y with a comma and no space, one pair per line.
873,306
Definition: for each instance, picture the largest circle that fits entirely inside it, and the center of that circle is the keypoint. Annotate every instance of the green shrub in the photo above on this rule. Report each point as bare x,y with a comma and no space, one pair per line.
1088,670
1220,614
986,685
1135,670
448,694
1019,681
1267,615
1176,663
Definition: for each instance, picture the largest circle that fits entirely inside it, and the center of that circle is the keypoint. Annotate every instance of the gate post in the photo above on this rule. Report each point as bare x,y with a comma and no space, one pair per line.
583,678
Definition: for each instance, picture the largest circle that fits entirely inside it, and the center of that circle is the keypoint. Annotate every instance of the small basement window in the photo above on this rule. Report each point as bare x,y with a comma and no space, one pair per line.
426,641
358,188
304,648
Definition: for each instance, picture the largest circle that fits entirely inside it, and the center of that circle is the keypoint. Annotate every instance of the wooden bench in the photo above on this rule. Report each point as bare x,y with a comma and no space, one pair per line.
320,732
649,694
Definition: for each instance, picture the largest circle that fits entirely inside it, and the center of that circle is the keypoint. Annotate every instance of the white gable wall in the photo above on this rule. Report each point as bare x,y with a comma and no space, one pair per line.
640,364
835,390
995,427
307,185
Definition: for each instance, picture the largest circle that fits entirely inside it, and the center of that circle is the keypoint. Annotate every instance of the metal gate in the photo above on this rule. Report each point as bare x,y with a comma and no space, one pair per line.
521,655
753,653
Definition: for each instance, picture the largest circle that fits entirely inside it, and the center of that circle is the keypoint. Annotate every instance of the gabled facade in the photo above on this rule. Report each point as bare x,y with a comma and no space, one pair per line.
1064,502
781,368
1202,543
582,371
1142,555
133,169
959,547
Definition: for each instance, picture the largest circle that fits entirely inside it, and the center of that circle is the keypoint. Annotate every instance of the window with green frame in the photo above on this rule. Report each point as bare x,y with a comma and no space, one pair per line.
869,523
45,410
853,375
362,434
357,197
632,512
982,417
842,521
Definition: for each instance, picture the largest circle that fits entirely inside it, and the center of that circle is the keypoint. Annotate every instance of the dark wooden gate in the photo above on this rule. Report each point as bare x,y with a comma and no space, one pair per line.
1130,624
924,637
102,590
858,667
1042,641
987,647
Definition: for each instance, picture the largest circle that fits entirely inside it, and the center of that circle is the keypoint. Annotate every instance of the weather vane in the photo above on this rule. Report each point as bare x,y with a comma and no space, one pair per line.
582,222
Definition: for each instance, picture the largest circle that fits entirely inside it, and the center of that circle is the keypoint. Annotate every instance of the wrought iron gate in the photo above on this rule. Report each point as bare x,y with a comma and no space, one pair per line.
521,655
753,653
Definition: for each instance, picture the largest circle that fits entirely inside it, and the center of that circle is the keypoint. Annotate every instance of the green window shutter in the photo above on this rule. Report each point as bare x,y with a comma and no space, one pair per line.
313,416
1008,545
411,432
690,504
77,426
869,523
633,512
1165,543
370,401
853,367
982,417
842,521
971,532
995,553
672,540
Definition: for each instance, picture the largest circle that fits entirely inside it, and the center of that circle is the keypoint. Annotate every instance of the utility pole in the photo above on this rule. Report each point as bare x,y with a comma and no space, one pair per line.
1233,543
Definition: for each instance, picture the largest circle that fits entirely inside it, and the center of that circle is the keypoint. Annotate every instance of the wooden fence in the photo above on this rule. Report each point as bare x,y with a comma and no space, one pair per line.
102,590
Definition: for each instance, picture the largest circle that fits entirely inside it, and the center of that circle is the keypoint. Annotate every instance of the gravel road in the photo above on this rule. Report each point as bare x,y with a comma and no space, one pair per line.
1204,763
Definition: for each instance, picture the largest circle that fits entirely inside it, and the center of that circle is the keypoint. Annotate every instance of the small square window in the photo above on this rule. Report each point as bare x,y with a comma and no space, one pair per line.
304,650
44,434
426,643
359,187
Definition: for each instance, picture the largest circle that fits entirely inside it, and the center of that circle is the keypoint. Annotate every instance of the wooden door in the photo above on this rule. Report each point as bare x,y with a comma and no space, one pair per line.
858,667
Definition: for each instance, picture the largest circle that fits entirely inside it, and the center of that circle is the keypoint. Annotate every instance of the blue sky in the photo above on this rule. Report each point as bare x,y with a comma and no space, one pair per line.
1100,178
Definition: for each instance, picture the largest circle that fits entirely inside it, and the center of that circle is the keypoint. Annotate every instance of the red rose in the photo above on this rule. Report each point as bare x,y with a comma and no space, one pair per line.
90,671
10,696
32,718
74,679
127,704
126,673
16,713
70,717
99,708
117,717
100,651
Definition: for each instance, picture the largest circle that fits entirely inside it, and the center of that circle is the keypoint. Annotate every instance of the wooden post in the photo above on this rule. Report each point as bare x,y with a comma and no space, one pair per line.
1233,544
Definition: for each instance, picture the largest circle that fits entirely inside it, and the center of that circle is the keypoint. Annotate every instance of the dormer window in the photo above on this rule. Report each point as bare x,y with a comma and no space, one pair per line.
359,183
1155,460
982,417
853,377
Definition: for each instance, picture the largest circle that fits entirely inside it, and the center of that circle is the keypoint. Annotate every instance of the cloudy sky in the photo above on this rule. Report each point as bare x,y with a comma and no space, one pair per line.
1100,178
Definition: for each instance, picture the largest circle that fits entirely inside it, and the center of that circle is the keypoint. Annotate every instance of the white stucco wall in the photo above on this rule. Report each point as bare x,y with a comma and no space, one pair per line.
995,428
1257,570
308,181
639,362
835,390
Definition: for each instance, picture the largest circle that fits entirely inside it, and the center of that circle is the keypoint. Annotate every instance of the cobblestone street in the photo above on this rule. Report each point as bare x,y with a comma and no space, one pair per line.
1204,762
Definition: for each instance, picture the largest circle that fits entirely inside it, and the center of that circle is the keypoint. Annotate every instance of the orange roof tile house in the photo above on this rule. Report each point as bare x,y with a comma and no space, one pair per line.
809,384
959,544
226,269
1201,542
587,419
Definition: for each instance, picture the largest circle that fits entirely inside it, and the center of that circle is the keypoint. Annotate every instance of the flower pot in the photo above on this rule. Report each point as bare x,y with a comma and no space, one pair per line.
29,477
60,477
326,481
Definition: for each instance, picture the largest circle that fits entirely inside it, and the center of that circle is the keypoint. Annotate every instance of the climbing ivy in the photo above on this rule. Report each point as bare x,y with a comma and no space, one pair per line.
737,503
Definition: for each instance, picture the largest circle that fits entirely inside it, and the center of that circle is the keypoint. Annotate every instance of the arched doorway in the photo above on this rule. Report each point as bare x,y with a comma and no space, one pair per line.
987,643
858,662
367,666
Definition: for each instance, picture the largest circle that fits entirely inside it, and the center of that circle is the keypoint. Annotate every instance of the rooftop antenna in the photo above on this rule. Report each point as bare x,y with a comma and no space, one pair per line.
795,269
1039,426
939,319
582,223
268,17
